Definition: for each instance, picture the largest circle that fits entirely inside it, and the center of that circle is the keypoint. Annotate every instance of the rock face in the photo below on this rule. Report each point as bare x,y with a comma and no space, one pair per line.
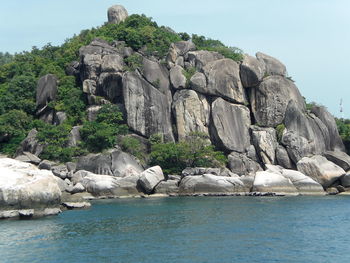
231,125
252,71
201,58
117,14
272,66
107,186
167,187
150,178
30,144
339,158
148,109
178,80
270,99
46,90
191,111
240,164
23,186
266,181
208,183
265,142
320,169
223,80
113,162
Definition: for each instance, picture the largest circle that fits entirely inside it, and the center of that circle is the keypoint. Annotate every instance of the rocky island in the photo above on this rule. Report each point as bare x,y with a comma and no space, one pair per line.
244,112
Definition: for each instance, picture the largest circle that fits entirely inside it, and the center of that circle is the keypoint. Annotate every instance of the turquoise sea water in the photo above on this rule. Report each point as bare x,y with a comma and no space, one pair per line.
188,229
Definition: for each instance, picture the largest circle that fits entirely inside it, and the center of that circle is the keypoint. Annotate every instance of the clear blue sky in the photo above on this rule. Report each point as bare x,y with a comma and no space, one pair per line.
311,37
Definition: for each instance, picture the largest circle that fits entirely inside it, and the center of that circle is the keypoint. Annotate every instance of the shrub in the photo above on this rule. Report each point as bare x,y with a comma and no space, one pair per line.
195,151
133,62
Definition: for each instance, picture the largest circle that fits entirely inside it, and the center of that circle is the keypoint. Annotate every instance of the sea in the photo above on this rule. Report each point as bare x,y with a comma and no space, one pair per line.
186,229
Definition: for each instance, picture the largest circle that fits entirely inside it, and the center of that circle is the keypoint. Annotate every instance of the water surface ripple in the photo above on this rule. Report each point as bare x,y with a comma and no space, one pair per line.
187,229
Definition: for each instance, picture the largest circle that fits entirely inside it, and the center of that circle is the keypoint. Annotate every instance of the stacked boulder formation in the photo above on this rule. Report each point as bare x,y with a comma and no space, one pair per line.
251,110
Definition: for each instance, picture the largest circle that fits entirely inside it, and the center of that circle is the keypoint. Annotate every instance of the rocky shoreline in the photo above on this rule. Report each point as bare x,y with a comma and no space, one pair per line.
29,192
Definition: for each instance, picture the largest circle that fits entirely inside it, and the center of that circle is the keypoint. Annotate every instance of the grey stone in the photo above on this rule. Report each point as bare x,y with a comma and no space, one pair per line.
320,169
167,187
174,177
74,137
28,158
147,109
59,118
78,188
116,14
192,171
183,47
270,99
252,71
191,112
92,112
282,157
46,90
297,146
112,63
267,181
242,165
46,165
201,58
150,178
345,180
177,79
89,87
60,171
265,142
208,183
223,80
335,141
339,158
113,162
110,86
30,144
24,186
231,125
198,81
304,184
272,65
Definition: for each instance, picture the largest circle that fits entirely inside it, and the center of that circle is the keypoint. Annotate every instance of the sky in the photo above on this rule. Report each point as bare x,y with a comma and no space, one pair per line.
311,37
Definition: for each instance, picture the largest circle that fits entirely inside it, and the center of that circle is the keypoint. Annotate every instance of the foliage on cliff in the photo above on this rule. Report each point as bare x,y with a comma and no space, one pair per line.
344,131
194,151
19,75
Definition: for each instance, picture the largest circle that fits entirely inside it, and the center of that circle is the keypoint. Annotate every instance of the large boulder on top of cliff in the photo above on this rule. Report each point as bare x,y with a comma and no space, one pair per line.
339,158
113,162
150,178
183,47
272,182
252,71
211,184
240,164
272,65
335,141
116,14
201,58
230,125
270,99
191,111
148,110
265,141
24,186
46,90
320,169
223,80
